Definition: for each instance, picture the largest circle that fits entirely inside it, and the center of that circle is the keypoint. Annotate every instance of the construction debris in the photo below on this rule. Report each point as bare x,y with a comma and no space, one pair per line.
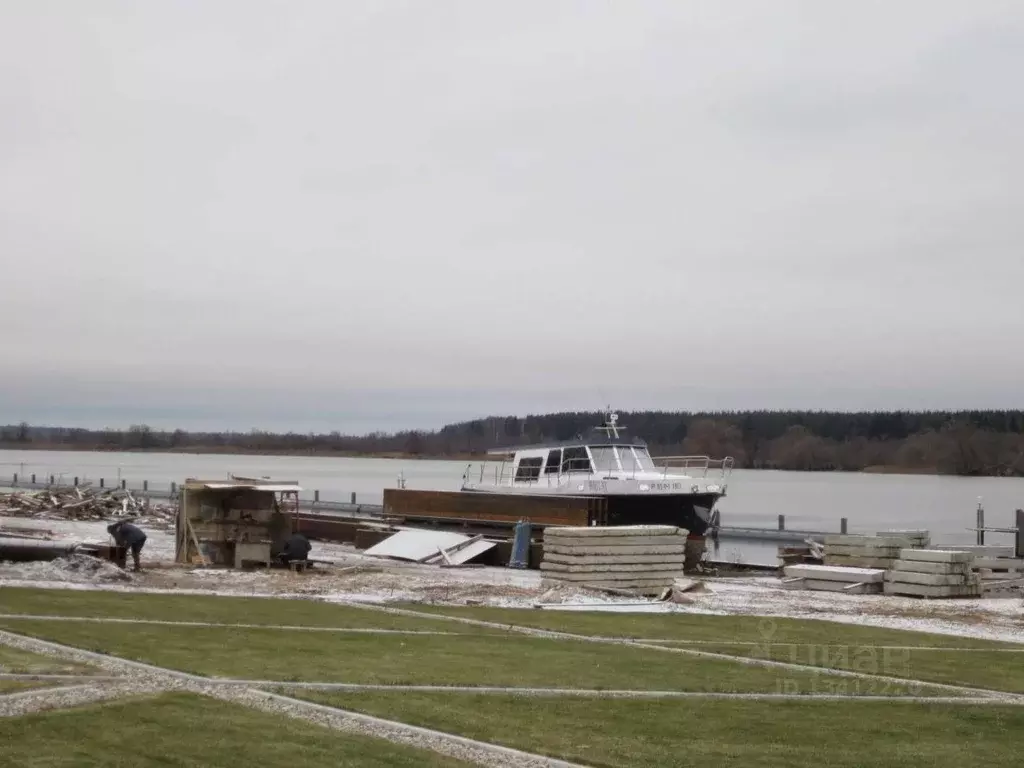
83,503
434,547
641,559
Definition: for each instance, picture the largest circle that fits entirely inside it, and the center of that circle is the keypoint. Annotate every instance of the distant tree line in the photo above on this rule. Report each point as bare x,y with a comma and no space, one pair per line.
959,443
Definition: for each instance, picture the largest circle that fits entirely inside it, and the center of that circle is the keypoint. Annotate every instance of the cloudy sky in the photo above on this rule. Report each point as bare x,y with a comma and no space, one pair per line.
382,214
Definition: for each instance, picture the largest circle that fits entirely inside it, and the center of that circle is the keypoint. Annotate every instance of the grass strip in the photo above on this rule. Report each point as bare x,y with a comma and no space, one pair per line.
980,669
179,730
726,734
210,608
492,660
701,627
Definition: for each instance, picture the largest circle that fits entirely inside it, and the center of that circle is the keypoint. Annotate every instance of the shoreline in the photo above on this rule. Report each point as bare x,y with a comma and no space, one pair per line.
877,469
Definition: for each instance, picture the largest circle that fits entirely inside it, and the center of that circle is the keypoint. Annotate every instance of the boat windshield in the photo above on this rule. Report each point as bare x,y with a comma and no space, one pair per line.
632,459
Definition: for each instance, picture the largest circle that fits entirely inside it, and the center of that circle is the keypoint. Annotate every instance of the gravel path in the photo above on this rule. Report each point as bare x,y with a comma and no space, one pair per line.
42,699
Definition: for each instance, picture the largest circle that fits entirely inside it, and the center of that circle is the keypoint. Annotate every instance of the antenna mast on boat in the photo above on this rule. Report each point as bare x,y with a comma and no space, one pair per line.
611,426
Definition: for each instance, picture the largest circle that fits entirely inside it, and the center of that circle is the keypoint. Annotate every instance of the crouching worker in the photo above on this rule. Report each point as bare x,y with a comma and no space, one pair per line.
128,535
296,549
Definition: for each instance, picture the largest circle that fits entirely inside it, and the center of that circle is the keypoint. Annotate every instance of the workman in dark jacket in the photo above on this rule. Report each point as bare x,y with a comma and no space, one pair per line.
128,535
296,548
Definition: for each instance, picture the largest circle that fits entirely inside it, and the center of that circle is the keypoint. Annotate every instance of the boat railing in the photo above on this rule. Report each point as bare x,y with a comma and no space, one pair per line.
694,466
504,473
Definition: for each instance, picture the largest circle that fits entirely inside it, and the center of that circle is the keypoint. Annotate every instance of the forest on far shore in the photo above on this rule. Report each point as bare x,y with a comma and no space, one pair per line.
956,443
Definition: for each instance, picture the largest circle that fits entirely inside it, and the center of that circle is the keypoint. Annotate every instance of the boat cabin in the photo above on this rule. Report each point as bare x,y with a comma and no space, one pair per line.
577,457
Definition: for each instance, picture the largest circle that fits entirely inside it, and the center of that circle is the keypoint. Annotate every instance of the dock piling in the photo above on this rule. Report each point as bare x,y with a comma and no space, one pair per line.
980,525
782,522
843,525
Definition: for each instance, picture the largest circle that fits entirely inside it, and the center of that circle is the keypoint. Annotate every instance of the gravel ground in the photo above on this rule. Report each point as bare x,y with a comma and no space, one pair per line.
43,699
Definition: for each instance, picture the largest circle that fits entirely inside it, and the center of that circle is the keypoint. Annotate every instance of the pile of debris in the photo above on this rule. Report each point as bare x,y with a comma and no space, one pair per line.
82,503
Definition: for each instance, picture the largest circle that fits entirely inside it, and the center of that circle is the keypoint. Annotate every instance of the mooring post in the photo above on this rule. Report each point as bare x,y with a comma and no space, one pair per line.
782,522
316,496
51,479
124,484
101,482
174,488
842,524
980,524
1020,533
353,497
15,482
33,479
76,481
145,485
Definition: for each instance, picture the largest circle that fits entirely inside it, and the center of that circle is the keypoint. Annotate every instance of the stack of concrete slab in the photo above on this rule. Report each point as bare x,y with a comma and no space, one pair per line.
639,558
933,573
855,551
829,578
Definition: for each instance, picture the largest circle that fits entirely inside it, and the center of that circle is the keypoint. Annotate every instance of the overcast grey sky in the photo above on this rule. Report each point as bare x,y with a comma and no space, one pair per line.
363,215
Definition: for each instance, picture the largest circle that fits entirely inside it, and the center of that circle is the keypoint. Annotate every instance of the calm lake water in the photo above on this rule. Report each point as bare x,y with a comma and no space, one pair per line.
809,500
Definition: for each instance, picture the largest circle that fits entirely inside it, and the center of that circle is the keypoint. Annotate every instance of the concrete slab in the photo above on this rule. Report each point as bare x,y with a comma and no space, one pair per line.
634,568
854,540
847,588
936,556
664,577
866,551
936,579
921,566
979,551
998,563
650,549
558,557
616,530
910,533
834,573
614,541
859,562
925,590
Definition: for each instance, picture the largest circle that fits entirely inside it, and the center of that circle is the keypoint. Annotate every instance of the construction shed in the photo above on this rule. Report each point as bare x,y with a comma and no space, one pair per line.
234,522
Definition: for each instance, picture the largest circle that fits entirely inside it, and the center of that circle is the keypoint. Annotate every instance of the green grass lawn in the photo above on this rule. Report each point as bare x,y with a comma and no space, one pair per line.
209,608
724,734
981,669
704,628
183,730
495,660
17,661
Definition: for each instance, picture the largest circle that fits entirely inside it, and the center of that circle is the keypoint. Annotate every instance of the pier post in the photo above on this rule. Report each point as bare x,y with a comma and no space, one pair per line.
1020,533
316,496
174,488
52,478
124,484
33,479
980,519
782,522
842,525
145,485
15,481
101,482
76,481
353,497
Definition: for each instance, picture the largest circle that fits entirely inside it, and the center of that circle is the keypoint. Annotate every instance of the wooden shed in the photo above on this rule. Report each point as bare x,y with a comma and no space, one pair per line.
235,521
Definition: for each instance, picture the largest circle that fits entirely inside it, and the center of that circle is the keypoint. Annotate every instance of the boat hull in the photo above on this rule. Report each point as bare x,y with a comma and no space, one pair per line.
689,511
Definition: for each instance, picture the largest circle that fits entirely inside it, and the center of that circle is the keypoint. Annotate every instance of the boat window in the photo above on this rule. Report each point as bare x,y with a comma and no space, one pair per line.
629,464
529,468
643,459
554,462
604,459
575,460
